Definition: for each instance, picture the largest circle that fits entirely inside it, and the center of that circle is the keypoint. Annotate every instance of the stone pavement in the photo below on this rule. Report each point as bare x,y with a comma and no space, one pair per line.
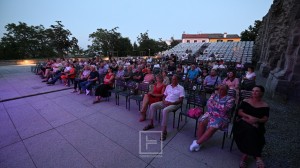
63,129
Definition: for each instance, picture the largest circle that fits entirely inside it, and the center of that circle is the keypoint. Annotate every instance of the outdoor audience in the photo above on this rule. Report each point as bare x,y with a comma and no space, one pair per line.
168,96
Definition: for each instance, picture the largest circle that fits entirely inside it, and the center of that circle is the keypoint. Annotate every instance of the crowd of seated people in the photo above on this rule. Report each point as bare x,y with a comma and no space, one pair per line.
167,91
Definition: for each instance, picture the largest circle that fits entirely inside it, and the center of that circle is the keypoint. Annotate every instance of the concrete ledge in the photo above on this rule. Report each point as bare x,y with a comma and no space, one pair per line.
31,95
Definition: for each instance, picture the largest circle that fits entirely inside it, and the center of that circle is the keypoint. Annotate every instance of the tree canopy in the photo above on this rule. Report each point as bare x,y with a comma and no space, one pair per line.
251,33
23,41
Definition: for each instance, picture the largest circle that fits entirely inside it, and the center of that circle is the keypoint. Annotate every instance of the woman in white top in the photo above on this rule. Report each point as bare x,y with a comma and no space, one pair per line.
250,74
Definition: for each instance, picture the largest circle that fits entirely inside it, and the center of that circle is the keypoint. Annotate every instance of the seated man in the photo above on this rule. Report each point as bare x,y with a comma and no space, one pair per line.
216,117
192,73
172,99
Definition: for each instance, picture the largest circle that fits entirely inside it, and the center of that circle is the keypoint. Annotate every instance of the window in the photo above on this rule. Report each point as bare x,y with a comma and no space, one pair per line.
188,41
219,40
203,41
229,40
195,41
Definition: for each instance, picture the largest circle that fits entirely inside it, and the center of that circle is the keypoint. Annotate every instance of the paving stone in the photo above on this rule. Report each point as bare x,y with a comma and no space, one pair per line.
28,121
15,156
97,148
8,133
50,149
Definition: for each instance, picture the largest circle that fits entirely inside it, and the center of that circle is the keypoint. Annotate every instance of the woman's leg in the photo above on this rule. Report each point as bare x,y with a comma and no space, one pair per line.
76,81
207,134
201,128
145,103
144,107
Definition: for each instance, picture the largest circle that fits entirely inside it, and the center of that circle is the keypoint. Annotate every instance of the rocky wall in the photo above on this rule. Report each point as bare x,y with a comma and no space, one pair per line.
277,50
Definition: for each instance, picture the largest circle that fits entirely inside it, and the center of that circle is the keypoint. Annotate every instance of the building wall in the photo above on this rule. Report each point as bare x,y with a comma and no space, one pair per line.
225,39
199,40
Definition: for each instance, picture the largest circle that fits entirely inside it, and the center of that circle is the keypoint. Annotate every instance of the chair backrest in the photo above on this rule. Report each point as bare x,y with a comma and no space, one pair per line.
198,99
244,94
232,92
120,83
143,87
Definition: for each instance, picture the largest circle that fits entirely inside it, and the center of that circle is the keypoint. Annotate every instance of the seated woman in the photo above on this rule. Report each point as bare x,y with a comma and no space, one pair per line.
216,117
103,89
70,73
154,96
249,79
91,80
249,129
83,76
149,77
232,82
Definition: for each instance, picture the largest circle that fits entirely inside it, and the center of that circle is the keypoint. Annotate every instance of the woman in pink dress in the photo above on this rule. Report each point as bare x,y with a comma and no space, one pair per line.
231,81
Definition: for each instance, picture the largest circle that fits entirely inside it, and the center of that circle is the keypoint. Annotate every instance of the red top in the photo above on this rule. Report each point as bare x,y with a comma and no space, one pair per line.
108,76
156,90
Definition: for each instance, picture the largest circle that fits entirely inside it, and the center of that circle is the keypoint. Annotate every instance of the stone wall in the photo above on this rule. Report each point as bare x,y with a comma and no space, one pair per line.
277,50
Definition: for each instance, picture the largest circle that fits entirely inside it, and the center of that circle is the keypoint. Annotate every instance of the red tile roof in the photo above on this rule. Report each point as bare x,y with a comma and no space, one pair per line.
210,36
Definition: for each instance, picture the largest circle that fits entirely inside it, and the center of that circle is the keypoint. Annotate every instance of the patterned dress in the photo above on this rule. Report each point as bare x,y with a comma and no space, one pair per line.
218,111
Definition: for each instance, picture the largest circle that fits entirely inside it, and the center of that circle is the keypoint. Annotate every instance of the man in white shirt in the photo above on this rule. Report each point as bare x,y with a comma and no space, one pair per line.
173,97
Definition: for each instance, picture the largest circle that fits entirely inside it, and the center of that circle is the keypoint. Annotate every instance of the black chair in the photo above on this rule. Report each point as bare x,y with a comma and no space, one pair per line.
197,99
143,88
119,87
130,90
244,94
226,131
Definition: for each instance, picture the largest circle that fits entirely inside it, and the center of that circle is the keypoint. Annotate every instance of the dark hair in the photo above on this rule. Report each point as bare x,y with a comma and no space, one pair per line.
233,77
252,68
262,89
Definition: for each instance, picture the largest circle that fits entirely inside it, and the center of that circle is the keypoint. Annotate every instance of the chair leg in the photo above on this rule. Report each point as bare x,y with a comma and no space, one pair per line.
174,119
223,140
128,104
231,145
139,105
195,134
178,121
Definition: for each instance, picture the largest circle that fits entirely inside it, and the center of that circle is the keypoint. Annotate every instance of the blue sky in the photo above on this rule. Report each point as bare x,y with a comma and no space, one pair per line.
162,18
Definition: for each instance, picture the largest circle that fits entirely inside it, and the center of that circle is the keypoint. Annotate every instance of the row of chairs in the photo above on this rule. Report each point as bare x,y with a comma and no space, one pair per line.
195,98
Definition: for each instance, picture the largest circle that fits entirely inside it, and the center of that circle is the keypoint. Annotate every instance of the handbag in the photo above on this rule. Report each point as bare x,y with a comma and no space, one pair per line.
195,112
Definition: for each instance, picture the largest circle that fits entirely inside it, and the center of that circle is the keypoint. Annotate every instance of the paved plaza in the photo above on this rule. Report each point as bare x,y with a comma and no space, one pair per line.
48,126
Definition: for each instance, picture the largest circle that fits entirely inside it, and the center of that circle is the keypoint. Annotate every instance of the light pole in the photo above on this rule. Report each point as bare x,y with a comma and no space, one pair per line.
149,52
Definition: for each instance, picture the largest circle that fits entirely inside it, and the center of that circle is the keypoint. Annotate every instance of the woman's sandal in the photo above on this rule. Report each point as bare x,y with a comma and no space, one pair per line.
150,126
143,117
260,164
243,164
164,136
96,101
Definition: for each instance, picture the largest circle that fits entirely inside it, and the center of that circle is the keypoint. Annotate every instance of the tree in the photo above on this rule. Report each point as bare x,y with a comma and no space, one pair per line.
59,39
23,41
150,46
252,32
174,42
